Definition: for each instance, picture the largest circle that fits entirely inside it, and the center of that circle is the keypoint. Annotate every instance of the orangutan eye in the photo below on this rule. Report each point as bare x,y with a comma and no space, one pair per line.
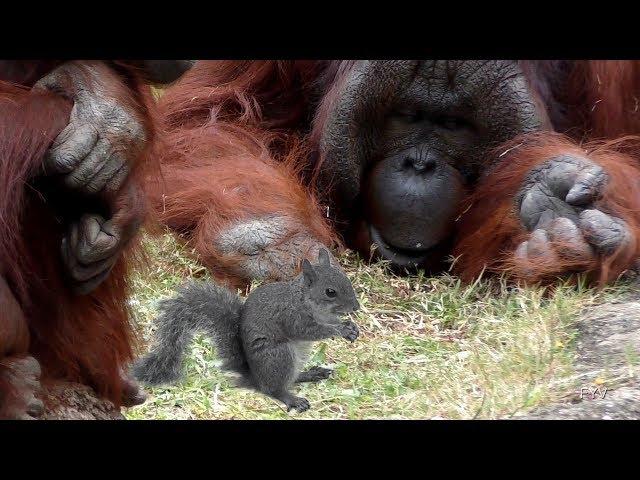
331,293
446,122
410,116
451,123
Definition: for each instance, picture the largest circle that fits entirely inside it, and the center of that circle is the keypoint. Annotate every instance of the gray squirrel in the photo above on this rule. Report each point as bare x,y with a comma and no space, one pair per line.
264,339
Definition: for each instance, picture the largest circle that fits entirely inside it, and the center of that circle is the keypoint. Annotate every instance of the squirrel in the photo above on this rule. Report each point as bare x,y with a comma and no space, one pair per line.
264,339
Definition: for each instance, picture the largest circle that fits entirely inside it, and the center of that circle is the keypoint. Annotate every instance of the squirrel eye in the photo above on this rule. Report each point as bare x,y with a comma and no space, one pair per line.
330,292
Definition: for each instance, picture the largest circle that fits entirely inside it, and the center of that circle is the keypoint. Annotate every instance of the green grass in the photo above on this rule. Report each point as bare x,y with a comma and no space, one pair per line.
428,348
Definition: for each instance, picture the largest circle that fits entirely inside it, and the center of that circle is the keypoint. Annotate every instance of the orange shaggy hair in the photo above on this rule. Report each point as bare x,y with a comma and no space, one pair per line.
80,338
234,154
490,229
242,133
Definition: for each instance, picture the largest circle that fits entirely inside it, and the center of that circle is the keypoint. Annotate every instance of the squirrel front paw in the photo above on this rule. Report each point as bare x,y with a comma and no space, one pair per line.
349,331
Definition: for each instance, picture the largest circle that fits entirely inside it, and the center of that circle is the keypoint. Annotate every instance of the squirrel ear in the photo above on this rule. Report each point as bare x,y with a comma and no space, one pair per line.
309,273
323,257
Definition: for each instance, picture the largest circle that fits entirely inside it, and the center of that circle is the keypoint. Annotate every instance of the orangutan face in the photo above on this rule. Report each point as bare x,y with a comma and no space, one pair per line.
405,141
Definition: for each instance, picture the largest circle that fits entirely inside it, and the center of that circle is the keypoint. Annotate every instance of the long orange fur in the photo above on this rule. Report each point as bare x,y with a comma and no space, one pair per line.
240,133
86,339
234,152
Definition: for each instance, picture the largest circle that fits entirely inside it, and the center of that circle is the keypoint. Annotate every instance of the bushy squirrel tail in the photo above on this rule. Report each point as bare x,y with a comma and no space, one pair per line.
198,307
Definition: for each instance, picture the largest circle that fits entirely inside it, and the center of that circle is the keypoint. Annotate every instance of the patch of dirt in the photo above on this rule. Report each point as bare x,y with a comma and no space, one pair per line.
608,353
620,404
71,401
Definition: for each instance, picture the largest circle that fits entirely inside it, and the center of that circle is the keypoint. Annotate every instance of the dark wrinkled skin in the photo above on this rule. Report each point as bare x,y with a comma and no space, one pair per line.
556,205
93,153
92,156
132,394
407,140
270,249
93,244
165,71
90,251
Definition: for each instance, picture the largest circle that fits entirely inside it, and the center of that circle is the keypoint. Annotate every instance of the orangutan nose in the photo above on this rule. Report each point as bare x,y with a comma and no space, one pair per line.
420,164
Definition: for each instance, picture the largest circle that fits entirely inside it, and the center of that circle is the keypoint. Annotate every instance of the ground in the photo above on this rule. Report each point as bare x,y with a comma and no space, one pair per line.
430,348
607,349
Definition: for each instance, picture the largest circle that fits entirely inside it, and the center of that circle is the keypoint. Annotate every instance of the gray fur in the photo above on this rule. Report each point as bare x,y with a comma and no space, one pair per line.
266,339
198,307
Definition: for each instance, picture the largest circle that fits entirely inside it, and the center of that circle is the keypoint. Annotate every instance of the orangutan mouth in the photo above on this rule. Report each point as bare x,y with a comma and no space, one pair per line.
401,257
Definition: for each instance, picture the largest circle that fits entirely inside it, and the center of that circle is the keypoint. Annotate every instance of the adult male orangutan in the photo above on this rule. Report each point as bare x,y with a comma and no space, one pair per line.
74,138
482,160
